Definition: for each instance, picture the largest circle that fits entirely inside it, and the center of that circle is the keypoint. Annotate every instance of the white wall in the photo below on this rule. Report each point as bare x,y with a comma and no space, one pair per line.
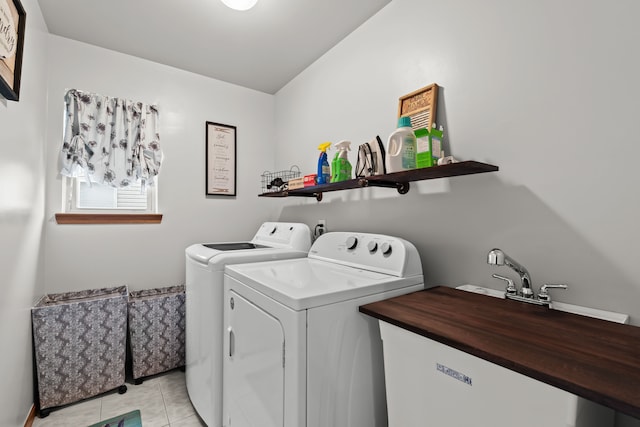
546,90
146,256
21,220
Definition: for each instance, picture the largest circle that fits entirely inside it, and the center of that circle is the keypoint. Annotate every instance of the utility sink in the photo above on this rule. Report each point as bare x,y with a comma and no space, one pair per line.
450,363
556,305
457,359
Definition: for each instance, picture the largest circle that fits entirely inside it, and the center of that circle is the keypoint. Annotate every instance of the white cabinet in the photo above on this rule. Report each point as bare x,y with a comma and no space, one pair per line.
431,384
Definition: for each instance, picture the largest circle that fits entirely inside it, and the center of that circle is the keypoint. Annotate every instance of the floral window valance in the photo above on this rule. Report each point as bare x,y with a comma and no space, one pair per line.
110,140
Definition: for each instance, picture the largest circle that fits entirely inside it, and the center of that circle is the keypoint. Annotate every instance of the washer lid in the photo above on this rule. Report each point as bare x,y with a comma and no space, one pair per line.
304,282
273,240
216,259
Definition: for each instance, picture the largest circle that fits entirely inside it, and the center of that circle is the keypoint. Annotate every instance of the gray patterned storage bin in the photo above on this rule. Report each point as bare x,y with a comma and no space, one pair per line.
157,330
79,344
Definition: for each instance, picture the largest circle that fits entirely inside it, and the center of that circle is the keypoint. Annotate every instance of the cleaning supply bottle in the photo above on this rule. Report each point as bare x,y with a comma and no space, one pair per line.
401,147
334,165
435,139
341,168
324,172
424,158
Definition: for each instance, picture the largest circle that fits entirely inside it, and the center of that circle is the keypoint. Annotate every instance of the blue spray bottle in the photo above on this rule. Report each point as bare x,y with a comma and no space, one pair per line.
324,172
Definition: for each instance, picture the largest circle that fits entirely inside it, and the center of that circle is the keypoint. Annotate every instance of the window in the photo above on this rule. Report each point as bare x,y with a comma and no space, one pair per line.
82,197
103,204
100,196
113,142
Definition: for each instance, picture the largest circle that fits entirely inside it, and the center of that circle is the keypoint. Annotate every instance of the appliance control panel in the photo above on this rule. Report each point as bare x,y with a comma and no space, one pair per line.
284,235
373,252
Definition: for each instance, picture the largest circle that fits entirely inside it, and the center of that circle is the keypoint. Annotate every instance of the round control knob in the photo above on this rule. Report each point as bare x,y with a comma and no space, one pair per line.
385,248
273,230
352,242
372,246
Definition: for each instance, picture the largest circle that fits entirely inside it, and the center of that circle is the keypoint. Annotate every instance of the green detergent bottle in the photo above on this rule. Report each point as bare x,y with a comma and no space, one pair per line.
435,139
341,170
424,157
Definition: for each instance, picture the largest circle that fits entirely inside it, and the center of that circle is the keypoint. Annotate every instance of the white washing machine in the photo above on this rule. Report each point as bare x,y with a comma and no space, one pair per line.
204,298
297,352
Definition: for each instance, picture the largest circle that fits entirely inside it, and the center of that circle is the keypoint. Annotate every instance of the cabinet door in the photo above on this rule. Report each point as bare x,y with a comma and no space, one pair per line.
253,366
431,384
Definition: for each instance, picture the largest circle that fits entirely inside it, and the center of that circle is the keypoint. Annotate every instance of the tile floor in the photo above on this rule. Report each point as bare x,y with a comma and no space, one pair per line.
162,401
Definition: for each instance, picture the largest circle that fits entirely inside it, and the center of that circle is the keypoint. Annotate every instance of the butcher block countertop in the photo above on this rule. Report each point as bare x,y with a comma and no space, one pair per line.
591,358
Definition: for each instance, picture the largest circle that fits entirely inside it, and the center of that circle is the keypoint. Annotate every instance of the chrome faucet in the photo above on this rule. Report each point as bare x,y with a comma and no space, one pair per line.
498,257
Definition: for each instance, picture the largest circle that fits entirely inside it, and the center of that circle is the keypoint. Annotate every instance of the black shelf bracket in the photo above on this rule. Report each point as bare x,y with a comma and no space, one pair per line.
402,187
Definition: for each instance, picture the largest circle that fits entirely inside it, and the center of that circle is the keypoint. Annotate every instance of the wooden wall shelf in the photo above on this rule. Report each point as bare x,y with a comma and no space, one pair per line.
397,180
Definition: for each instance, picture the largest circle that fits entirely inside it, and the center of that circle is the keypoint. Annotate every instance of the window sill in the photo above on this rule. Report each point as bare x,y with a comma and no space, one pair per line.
77,218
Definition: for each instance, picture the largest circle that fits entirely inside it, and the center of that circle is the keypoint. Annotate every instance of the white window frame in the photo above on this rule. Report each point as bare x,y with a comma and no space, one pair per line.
71,189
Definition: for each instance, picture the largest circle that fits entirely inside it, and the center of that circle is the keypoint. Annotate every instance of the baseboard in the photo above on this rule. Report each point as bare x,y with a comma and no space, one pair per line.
32,416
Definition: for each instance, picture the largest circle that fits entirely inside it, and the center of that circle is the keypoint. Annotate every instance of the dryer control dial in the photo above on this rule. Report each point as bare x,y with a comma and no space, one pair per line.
386,248
372,246
352,242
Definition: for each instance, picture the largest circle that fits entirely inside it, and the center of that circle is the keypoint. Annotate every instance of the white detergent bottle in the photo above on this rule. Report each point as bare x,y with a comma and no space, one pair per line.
401,148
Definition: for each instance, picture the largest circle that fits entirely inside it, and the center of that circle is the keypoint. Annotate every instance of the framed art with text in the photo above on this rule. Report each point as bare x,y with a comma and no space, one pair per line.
220,159
12,27
420,106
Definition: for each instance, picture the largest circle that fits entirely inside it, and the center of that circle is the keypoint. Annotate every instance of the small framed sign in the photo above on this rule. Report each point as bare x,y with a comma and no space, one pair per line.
420,105
12,26
220,159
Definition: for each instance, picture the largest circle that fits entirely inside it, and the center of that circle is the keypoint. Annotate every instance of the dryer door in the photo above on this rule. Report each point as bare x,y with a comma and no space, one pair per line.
253,366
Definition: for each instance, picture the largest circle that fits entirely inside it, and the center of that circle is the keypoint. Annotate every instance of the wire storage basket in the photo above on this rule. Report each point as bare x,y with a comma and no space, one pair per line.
277,181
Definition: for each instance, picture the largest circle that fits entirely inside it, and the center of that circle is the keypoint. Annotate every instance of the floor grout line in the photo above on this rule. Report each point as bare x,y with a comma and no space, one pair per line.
100,415
164,402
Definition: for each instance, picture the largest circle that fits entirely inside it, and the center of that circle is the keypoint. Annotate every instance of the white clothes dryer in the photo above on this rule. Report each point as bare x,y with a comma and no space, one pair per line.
297,352
204,304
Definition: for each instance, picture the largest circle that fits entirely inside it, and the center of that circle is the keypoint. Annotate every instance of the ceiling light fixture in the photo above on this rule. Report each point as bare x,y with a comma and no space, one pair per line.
240,4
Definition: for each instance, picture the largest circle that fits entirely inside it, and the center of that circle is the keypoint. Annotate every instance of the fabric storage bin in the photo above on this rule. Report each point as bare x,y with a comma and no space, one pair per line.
79,343
156,330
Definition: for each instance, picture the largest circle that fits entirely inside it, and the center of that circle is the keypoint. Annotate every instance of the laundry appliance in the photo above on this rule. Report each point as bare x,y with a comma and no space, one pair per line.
205,265
297,352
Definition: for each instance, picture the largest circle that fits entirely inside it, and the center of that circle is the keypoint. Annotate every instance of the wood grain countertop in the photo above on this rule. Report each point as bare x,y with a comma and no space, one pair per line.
591,358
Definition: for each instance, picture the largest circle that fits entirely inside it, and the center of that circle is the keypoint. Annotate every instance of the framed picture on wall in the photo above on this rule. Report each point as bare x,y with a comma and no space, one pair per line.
420,105
12,26
220,159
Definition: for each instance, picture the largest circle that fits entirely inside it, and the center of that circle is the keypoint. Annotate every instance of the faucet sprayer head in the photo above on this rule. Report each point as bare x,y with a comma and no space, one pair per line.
495,257
498,257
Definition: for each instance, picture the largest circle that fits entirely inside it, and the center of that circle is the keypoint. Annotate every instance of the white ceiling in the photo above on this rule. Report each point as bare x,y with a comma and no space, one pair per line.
263,48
